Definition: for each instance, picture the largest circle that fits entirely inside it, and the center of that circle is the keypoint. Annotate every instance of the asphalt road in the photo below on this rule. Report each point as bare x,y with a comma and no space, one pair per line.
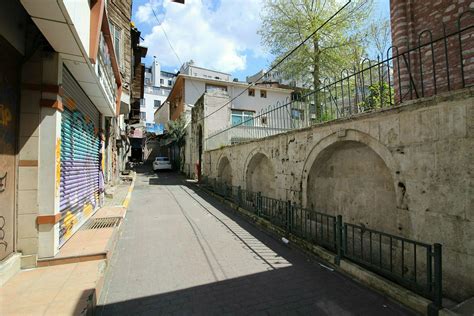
182,252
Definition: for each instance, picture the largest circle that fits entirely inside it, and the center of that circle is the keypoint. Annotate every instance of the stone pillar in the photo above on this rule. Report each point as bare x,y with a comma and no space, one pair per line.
49,158
28,155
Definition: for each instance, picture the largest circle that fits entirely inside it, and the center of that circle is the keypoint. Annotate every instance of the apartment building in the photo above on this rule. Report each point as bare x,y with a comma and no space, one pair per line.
62,94
158,84
238,102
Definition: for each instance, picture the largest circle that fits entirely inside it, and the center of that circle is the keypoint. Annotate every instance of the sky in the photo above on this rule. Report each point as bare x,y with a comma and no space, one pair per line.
216,34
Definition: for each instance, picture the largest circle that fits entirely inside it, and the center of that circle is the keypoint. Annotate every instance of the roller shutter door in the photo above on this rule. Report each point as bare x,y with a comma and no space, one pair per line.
80,158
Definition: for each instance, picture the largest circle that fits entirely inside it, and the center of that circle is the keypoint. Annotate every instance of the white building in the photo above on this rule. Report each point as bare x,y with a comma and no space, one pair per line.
188,89
158,85
233,101
275,77
190,69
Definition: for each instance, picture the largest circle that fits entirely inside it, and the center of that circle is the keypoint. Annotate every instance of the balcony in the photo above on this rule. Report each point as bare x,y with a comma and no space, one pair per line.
163,91
105,71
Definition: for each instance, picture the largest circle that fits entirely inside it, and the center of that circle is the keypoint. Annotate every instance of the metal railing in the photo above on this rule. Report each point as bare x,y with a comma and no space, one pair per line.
427,68
410,263
104,70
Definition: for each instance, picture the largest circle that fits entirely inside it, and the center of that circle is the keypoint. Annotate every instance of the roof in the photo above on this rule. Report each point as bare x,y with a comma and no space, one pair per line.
169,73
220,72
231,83
222,82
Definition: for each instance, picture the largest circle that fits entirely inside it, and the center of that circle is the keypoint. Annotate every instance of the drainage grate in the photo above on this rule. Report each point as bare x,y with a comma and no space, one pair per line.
104,222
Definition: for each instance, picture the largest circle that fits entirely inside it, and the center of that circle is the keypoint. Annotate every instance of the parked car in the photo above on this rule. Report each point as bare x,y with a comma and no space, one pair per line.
161,163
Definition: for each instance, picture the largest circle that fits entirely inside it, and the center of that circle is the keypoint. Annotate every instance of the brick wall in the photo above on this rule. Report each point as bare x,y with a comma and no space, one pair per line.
433,68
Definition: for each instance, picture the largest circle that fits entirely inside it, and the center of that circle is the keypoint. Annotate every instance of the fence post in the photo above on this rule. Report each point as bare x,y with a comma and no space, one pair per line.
437,304
338,239
239,196
289,215
259,203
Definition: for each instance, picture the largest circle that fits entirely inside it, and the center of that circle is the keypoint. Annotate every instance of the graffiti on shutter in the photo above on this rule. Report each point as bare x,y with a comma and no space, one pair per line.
79,173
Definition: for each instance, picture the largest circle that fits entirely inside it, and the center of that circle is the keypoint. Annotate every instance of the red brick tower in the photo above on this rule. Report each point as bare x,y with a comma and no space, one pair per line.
432,68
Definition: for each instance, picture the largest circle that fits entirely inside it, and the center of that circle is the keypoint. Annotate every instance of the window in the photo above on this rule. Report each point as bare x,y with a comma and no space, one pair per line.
297,114
170,82
143,116
116,33
263,93
157,103
252,92
212,87
162,81
245,117
142,103
296,96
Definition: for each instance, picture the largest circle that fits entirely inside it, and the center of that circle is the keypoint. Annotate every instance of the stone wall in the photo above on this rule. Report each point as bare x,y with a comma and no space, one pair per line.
406,171
203,124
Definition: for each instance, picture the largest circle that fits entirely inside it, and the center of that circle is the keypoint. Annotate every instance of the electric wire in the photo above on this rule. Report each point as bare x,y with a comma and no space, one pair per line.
251,84
170,45
286,56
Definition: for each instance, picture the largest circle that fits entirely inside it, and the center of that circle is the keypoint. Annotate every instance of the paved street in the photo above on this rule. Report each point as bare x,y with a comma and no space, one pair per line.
182,252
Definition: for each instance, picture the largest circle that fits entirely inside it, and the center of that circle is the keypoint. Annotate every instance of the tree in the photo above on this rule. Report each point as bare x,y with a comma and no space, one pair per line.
286,23
176,138
176,131
378,34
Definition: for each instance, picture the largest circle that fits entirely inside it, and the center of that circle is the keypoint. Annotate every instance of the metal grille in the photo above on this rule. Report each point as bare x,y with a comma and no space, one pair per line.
80,159
75,97
99,223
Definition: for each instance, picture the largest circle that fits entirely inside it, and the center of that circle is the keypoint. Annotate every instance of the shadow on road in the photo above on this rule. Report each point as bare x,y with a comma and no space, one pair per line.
287,291
293,284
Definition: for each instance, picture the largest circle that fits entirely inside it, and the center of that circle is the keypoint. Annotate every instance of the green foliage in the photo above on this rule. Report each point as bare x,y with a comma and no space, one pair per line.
327,115
286,23
177,131
380,96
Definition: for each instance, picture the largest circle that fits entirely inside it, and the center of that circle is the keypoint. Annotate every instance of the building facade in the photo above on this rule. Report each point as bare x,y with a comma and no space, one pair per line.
188,89
116,142
275,77
197,85
158,85
61,92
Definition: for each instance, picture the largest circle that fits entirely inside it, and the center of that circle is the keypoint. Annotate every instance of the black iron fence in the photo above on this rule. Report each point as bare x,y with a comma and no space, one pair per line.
410,263
426,66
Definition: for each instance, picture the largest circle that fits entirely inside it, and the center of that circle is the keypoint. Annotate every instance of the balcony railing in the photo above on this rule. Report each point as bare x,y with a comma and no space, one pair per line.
105,71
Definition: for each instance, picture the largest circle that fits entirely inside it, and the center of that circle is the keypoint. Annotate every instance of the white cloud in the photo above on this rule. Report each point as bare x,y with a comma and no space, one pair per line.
144,13
215,37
